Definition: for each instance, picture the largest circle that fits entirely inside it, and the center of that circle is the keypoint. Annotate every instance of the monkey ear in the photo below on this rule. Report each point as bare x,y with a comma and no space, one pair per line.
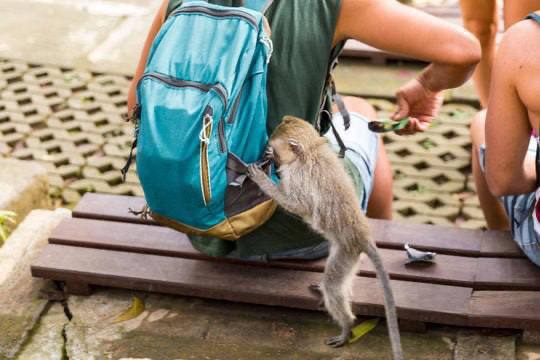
296,147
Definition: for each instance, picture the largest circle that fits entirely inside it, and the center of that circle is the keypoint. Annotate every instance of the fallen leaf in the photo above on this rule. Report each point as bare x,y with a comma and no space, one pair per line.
362,329
134,310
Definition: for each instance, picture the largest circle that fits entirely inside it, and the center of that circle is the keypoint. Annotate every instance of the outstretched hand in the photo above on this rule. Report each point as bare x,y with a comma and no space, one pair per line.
419,104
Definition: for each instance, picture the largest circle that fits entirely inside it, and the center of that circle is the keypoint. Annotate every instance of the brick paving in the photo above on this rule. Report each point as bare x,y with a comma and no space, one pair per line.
72,122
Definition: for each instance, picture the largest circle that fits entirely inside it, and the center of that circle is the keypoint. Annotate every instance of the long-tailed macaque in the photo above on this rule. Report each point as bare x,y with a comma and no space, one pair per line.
315,186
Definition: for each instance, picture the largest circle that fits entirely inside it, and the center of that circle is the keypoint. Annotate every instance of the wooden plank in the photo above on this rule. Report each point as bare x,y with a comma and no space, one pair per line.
449,270
388,234
499,244
147,239
506,274
242,283
505,309
440,239
110,207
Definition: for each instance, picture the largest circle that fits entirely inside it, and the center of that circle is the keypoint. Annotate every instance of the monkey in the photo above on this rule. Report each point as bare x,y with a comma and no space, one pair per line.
315,186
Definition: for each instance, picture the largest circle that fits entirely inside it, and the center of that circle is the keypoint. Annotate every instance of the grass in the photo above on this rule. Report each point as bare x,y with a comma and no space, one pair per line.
6,217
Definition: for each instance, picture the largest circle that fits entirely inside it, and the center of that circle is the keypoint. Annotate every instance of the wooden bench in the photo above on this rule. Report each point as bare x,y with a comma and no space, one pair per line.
480,278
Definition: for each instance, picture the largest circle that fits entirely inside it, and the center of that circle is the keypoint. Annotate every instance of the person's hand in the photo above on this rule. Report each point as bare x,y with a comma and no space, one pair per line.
418,103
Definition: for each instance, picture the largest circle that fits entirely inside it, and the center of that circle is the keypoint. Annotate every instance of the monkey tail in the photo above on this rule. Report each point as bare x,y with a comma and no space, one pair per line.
389,303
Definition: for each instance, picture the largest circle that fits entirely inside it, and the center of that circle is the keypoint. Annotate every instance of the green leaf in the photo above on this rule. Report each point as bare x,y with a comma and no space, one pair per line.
134,310
7,213
362,329
3,235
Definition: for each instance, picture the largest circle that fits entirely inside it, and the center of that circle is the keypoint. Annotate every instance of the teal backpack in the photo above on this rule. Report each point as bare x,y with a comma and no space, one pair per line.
201,119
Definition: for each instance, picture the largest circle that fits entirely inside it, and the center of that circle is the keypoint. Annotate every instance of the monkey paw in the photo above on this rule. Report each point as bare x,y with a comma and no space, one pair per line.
269,152
255,173
337,341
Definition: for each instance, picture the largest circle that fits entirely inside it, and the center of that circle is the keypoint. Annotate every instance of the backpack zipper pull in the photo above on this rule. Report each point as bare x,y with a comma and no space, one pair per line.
125,169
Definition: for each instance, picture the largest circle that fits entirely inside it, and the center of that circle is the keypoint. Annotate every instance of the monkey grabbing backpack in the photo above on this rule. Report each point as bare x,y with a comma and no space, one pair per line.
201,119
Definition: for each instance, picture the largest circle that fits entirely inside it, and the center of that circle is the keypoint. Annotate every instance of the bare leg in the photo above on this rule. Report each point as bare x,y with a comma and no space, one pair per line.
480,18
493,210
516,10
380,201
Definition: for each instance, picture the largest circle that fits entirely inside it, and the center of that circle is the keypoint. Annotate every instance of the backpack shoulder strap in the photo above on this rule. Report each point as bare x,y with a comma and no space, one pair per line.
534,16
171,6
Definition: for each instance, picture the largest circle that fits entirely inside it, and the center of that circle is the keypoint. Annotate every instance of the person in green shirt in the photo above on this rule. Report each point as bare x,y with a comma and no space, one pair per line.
307,35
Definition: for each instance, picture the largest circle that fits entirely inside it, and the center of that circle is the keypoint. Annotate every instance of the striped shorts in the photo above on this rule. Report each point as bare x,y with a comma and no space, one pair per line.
520,212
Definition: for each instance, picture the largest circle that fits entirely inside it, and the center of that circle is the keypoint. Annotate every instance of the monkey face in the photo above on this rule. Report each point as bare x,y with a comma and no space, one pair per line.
291,139
283,154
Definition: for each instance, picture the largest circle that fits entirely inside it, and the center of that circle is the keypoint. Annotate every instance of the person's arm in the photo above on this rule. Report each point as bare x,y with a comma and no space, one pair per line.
516,10
508,128
389,25
480,17
154,29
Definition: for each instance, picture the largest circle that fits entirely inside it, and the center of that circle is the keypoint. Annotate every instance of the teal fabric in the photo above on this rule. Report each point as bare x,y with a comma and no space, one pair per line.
534,16
223,58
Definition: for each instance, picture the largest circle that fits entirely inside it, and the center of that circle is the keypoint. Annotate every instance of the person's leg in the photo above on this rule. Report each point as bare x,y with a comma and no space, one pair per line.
516,10
480,18
380,201
494,212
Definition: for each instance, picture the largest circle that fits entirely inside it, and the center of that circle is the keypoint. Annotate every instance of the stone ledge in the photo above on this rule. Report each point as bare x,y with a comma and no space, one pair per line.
23,187
20,303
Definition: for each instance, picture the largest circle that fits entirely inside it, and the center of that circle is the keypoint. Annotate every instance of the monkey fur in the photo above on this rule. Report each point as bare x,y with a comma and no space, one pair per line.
315,186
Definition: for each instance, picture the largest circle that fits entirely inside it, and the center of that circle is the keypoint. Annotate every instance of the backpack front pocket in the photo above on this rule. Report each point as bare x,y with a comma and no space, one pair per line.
179,160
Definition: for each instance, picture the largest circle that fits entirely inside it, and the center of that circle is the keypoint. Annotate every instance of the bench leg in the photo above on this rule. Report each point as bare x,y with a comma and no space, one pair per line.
412,326
77,288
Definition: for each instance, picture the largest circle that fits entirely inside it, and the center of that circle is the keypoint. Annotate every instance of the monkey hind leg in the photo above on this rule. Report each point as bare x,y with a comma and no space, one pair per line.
336,288
316,288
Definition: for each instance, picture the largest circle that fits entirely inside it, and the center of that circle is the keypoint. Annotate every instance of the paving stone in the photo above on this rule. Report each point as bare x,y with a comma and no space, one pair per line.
66,40
528,352
174,327
473,212
482,347
46,341
474,224
531,337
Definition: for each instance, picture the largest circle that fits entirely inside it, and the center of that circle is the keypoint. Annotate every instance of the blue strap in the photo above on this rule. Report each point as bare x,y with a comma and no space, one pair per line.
534,16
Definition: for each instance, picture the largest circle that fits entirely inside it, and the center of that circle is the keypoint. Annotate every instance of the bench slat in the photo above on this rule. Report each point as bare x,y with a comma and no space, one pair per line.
450,270
507,274
388,234
510,309
242,283
155,240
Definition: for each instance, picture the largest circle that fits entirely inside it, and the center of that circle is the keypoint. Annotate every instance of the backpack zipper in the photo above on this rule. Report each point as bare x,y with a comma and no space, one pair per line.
216,13
221,136
218,88
234,109
204,137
